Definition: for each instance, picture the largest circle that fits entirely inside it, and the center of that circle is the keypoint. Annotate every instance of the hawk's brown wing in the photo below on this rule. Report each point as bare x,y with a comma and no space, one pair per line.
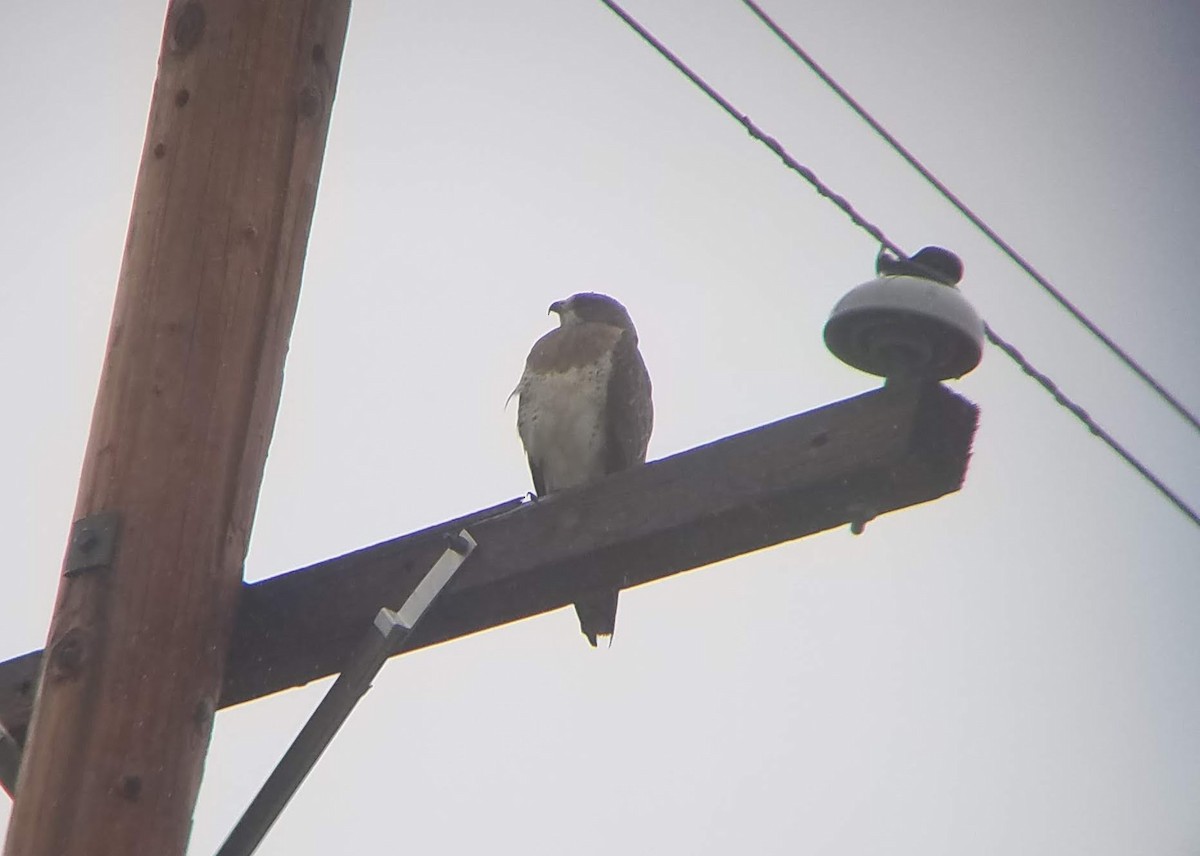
630,412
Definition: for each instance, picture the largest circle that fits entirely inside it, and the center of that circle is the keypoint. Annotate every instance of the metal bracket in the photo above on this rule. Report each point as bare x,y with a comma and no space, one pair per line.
386,637
93,542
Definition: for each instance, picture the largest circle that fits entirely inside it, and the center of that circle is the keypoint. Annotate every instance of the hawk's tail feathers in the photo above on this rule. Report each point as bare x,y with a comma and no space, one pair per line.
598,615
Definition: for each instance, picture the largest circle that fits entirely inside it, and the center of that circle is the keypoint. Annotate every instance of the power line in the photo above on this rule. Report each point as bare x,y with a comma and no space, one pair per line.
1082,415
875,232
978,222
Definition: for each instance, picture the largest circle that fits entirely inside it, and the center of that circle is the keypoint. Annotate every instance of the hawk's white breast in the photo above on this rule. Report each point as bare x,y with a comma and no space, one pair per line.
562,422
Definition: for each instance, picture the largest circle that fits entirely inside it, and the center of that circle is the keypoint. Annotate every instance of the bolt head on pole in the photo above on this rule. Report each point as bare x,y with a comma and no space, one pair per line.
911,322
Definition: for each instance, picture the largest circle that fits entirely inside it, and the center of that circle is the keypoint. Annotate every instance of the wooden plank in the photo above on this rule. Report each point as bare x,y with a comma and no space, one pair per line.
871,454
185,410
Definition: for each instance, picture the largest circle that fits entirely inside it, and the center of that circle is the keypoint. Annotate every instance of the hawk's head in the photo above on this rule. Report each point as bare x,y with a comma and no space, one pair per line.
592,308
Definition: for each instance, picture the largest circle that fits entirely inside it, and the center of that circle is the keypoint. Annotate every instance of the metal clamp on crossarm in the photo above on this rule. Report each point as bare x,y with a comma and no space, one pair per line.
387,637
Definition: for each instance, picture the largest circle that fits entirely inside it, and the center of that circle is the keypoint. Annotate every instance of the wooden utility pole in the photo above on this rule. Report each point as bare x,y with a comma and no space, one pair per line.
184,414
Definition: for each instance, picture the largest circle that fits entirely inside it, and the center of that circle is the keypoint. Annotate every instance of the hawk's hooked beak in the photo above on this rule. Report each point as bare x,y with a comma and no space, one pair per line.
557,306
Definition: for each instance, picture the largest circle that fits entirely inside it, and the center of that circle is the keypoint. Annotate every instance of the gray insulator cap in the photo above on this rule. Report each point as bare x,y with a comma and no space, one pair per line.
906,326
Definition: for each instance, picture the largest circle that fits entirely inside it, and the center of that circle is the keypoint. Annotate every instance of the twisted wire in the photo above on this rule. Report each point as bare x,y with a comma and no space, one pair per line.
1006,248
875,232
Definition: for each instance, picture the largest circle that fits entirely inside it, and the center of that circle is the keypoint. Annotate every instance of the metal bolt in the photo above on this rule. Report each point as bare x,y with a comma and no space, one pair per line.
457,543
860,515
86,539
130,787
67,655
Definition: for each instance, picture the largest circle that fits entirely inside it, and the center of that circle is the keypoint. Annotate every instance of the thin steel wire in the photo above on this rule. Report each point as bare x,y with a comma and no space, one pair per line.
875,232
1083,416
975,219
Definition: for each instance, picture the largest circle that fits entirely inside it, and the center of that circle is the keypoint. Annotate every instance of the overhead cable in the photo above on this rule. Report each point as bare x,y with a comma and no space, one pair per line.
975,219
875,232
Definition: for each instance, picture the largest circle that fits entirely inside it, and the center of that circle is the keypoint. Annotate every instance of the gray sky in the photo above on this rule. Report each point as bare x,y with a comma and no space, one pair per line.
1013,669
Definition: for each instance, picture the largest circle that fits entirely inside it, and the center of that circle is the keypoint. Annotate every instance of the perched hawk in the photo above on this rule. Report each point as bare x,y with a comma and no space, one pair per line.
585,412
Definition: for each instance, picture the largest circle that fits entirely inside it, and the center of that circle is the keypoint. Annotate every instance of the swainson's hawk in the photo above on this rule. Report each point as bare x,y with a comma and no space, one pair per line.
585,412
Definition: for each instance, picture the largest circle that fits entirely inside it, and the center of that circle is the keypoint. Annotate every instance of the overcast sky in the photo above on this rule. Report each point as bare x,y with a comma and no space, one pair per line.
1012,669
